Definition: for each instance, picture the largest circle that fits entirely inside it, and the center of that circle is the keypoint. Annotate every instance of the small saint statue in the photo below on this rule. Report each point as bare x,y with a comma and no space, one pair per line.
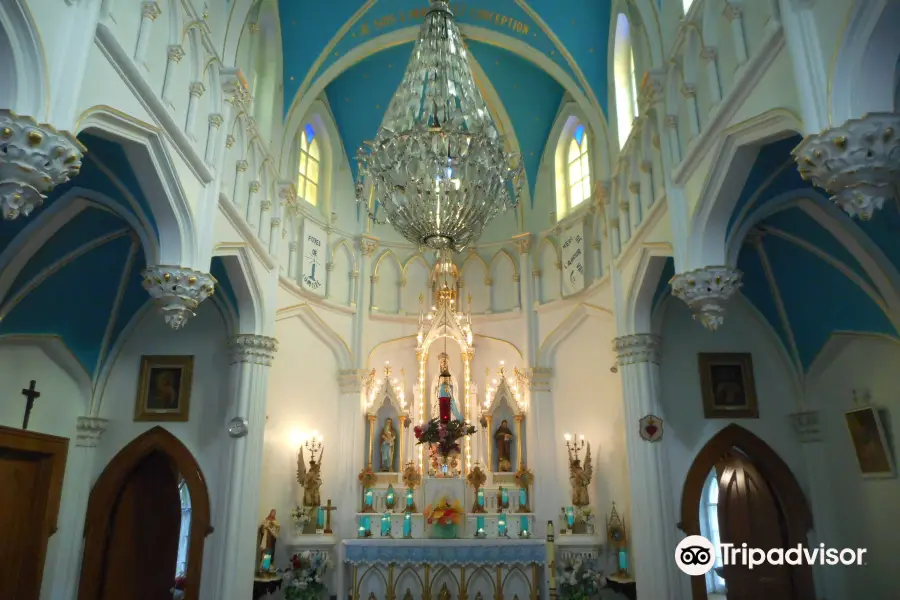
388,440
503,438
310,479
580,477
266,537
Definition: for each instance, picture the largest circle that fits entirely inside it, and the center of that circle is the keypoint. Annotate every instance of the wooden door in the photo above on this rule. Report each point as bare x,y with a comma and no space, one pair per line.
143,537
32,466
749,513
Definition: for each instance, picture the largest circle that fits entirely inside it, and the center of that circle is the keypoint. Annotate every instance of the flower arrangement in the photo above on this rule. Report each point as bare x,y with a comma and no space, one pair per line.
444,435
178,588
367,478
305,579
444,512
586,513
579,579
301,516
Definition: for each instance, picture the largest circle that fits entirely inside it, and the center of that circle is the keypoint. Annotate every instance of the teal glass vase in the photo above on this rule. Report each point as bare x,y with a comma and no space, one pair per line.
444,532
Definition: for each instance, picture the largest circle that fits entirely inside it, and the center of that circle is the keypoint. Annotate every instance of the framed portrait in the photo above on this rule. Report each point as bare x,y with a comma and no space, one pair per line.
869,442
727,385
164,388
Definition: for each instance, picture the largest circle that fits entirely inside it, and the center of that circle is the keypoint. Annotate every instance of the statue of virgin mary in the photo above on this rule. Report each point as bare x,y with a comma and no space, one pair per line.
445,388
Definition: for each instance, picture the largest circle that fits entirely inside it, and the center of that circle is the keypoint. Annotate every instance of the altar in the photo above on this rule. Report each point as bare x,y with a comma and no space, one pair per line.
482,569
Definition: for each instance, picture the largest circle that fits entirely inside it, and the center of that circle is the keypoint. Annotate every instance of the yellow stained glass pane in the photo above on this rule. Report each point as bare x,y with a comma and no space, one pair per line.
303,144
574,151
314,150
585,165
302,167
575,173
586,189
312,170
301,186
312,193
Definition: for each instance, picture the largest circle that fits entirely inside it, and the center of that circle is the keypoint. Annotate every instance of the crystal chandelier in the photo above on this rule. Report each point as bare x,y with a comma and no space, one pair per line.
438,168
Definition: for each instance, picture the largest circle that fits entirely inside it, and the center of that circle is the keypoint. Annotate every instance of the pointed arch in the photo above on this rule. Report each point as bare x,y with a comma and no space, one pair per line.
347,245
23,64
621,41
547,352
474,257
554,245
103,499
322,330
244,274
641,292
500,255
417,257
386,254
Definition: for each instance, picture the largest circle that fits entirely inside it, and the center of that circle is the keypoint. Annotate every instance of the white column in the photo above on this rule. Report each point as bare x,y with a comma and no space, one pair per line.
210,155
646,187
149,12
274,236
674,142
689,91
175,54
821,499
540,427
292,260
613,223
329,270
367,247
710,55
264,207
528,285
624,220
237,195
653,523
80,476
636,209
253,189
238,491
196,92
801,34
735,15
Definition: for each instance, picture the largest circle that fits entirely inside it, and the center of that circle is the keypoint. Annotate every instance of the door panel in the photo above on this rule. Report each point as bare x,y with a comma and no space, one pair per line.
749,513
143,543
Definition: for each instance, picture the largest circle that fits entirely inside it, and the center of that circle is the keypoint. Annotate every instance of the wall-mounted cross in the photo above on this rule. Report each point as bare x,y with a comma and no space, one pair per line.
328,508
30,394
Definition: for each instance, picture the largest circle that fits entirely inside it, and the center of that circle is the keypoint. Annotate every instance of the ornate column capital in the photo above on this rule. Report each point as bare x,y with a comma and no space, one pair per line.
733,11
35,159
265,205
287,193
672,121
88,431
241,166
368,245
229,141
255,186
624,206
293,246
522,242
645,166
253,349
150,10
197,89
175,53
652,88
689,90
806,426
539,378
276,221
856,162
706,291
638,348
709,53
351,381
177,291
216,120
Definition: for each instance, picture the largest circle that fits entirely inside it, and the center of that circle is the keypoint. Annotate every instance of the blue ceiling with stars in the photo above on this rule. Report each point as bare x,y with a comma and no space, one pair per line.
802,278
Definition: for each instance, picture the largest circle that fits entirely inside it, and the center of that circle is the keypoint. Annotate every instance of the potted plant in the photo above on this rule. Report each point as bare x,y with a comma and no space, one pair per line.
444,517
305,578
579,579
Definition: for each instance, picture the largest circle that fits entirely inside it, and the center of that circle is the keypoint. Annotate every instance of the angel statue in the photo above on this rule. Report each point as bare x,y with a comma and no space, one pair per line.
580,477
310,479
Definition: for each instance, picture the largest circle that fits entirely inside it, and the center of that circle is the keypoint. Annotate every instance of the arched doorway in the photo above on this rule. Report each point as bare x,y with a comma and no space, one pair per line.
134,520
758,501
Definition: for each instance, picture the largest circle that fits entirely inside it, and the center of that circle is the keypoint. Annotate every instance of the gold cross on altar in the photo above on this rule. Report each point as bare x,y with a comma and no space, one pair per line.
328,508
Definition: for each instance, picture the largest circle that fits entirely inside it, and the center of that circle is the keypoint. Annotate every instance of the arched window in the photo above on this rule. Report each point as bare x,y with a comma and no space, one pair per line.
578,173
625,78
687,5
185,535
709,527
308,171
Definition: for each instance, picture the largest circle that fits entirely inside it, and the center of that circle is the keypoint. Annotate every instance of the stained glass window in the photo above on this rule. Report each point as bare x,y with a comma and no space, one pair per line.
185,534
308,169
579,170
709,520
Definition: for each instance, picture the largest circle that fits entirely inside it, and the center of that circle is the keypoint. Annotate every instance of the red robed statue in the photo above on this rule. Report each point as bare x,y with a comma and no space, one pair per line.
445,396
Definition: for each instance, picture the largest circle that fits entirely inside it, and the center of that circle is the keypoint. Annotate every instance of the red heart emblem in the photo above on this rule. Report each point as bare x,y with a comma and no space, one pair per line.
651,430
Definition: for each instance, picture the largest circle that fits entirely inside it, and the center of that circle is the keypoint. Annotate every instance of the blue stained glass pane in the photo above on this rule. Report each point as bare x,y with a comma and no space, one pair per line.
579,134
310,133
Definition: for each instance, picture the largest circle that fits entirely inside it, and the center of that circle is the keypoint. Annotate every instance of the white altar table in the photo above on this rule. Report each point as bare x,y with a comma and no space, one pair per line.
434,569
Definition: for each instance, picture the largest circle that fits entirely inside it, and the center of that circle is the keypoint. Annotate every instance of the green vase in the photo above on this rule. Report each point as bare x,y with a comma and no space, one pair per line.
444,532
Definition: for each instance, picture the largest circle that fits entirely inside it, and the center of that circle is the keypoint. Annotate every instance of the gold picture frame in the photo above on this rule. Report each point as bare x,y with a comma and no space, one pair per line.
873,455
727,385
164,389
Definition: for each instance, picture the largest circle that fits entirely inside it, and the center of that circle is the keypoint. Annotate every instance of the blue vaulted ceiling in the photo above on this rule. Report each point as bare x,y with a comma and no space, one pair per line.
802,278
360,94
83,284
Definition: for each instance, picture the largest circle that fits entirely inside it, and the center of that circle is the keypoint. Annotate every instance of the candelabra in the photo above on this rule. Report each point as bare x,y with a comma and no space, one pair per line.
313,445
574,447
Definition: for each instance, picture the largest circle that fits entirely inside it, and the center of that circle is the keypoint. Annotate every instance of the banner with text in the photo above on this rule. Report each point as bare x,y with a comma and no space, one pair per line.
572,249
315,255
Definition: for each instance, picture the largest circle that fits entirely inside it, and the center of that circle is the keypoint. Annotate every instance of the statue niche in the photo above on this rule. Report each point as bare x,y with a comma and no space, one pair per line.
385,432
504,420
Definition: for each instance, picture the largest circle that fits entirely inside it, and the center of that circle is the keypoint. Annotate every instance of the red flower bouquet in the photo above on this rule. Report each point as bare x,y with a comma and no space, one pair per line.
445,435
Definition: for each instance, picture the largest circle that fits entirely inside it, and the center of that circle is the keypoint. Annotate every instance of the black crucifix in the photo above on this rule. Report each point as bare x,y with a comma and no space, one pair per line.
31,394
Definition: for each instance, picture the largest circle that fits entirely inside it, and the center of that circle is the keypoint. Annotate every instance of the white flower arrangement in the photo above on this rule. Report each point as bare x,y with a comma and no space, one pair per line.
301,516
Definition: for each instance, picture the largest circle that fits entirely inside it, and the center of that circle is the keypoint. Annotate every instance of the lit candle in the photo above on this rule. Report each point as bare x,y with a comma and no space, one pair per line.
369,499
568,437
504,497
523,526
480,498
362,531
407,525
479,526
409,497
390,497
523,497
501,525
385,525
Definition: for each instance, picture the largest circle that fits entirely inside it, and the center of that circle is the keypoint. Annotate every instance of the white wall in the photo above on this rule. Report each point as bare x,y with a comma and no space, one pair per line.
861,507
205,433
61,402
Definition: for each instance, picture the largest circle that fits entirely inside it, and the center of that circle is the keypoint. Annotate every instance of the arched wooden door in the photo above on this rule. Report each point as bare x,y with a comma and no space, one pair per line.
760,503
134,519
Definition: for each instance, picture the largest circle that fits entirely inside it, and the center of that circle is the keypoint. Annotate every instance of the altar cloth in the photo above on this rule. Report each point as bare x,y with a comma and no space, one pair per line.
459,552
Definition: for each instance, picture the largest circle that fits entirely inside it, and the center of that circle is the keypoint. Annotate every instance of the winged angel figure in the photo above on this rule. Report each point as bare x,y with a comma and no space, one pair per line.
580,476
309,479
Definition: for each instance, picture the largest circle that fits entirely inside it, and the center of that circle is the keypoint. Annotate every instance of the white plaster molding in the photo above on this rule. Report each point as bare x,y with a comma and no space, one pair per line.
89,430
642,288
547,352
57,350
806,426
837,344
748,78
253,349
706,291
28,66
350,381
177,291
237,220
855,162
321,330
638,348
36,158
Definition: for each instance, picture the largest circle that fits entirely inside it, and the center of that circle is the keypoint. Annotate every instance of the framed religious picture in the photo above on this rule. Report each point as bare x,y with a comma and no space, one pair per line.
869,442
727,385
164,388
